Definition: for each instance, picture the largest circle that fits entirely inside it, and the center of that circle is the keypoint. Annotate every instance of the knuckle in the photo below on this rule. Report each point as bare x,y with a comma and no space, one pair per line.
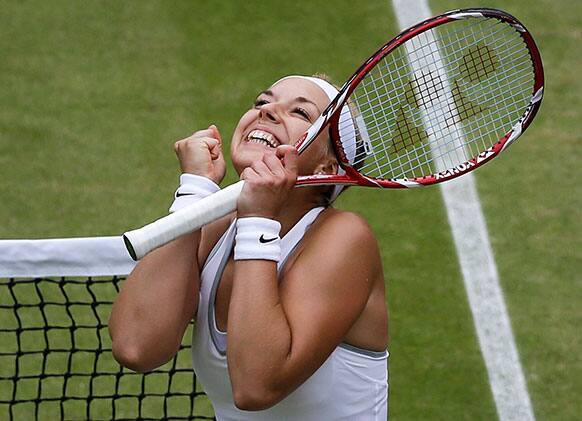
201,133
257,165
192,143
246,174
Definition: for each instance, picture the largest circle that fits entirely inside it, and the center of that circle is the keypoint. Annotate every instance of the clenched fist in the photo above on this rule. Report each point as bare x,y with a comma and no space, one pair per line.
201,154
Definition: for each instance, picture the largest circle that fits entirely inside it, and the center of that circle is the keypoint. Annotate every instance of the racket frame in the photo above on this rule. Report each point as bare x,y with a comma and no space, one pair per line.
330,116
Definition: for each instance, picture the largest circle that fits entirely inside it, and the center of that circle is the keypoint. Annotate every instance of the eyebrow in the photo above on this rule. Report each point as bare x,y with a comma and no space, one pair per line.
301,99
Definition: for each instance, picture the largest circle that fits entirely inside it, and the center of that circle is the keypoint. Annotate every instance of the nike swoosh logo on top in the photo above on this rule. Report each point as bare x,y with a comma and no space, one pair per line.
264,240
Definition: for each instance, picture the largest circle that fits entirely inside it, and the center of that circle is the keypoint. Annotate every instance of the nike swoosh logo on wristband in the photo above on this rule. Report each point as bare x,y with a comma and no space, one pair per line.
264,240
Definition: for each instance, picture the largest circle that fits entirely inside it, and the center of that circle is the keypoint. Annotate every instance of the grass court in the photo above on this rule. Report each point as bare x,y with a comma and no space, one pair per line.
94,94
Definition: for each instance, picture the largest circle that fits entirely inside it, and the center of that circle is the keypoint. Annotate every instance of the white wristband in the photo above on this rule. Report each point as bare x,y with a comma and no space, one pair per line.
257,238
192,189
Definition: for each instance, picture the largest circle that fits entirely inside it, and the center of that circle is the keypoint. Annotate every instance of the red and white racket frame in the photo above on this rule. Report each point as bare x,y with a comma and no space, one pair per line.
330,116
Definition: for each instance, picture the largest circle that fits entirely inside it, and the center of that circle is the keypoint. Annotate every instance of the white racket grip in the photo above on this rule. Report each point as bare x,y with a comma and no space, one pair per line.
141,241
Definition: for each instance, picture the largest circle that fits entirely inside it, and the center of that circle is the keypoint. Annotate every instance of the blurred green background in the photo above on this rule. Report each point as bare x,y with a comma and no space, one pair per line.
94,94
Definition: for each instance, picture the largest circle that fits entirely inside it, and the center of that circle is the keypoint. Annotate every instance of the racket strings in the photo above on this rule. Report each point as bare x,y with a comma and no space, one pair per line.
458,89
450,152
499,96
407,95
449,111
382,98
477,132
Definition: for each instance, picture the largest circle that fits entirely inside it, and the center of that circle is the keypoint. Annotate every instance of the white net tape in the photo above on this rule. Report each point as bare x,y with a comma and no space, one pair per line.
92,256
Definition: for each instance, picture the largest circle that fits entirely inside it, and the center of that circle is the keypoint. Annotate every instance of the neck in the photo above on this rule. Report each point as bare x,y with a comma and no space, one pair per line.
301,200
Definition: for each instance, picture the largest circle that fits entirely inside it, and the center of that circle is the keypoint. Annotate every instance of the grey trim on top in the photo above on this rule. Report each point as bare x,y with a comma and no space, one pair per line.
218,337
366,352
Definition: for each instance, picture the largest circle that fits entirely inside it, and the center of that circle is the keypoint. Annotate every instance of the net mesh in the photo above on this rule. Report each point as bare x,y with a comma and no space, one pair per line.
441,98
56,361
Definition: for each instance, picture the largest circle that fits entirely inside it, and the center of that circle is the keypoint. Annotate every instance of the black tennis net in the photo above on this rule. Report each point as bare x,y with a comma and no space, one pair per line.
56,361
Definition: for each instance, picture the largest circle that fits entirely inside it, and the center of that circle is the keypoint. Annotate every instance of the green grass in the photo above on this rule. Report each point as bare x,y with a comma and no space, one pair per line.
93,96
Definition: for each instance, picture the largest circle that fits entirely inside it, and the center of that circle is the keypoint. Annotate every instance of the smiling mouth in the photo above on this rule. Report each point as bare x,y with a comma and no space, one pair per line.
262,138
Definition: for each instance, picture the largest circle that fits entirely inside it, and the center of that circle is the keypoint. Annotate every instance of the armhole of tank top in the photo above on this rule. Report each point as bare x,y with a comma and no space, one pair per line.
218,337
218,245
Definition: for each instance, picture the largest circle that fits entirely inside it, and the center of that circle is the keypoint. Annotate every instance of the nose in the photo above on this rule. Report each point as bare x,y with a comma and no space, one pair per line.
269,112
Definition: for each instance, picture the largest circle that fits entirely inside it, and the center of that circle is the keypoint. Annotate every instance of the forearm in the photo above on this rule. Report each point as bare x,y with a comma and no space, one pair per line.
155,305
260,345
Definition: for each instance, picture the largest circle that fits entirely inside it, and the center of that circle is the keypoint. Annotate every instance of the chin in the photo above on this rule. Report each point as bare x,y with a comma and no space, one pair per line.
243,157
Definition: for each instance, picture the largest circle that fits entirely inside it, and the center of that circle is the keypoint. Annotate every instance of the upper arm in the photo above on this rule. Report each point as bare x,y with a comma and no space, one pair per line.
143,339
327,288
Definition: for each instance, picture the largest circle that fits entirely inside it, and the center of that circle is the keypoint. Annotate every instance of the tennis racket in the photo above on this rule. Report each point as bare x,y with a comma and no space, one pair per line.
437,101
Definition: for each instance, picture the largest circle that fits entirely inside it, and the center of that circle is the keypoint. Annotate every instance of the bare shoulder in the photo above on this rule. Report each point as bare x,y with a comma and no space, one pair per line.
340,239
342,230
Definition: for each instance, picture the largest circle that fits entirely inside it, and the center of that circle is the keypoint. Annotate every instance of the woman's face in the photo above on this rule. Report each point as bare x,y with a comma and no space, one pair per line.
280,116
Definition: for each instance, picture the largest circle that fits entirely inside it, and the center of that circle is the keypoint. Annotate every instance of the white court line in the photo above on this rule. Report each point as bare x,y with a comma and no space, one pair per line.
480,274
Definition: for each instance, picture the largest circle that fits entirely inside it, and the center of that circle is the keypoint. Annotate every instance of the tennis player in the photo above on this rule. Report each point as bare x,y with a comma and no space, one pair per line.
287,294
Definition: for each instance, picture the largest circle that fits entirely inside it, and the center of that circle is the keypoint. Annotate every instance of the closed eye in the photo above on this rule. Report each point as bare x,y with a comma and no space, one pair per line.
303,113
259,102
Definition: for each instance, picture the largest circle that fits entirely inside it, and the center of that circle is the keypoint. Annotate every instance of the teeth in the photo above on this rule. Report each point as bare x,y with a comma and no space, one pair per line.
260,142
261,137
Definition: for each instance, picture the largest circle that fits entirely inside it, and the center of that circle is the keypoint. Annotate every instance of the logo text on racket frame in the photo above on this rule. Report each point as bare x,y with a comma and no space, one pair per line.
465,166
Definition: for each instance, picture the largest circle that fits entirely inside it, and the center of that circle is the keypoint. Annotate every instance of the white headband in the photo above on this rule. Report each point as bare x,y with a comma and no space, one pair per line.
346,127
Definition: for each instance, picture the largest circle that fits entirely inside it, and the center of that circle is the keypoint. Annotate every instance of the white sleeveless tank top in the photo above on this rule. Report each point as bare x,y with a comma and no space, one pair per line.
352,384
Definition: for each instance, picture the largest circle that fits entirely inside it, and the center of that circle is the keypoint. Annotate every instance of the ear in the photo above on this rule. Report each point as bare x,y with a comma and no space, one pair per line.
328,166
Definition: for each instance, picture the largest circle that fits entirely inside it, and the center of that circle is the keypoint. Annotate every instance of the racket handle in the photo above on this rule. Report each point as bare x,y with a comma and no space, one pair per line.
141,241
